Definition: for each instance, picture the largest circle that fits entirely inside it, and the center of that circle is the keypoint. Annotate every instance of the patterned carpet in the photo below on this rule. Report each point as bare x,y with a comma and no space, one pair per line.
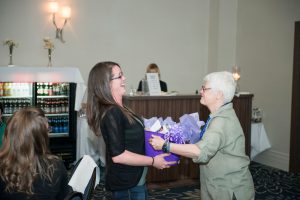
274,184
189,192
270,184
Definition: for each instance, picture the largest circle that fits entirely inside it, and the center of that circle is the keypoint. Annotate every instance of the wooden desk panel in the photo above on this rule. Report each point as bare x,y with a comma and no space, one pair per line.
176,106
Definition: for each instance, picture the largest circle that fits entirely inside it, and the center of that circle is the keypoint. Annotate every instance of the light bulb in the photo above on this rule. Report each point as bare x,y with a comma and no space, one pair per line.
53,7
66,12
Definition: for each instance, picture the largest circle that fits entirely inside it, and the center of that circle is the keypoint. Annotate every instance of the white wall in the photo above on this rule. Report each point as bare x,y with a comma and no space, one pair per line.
265,43
187,39
134,33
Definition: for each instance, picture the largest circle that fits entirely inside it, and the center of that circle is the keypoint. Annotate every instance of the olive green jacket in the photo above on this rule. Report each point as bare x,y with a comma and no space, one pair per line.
223,162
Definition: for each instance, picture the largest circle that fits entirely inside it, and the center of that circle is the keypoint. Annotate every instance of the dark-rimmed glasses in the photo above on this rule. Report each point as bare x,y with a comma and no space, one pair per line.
203,88
117,77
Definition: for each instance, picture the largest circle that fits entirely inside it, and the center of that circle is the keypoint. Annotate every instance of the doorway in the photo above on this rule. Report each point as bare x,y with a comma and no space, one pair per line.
295,118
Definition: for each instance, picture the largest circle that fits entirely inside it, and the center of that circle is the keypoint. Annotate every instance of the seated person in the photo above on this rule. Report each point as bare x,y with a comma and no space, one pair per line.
27,169
2,125
153,68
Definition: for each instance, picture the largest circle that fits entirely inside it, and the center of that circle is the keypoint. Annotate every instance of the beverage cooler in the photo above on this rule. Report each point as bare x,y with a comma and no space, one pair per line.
56,98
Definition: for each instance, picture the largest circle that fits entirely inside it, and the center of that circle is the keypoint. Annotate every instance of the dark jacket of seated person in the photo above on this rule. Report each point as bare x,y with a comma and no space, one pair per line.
27,169
163,86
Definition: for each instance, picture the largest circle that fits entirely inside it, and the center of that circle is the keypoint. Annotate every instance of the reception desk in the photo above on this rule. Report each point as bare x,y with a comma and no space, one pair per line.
175,107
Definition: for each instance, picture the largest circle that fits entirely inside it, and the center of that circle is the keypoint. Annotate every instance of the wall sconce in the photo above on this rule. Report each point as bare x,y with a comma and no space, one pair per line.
236,73
65,14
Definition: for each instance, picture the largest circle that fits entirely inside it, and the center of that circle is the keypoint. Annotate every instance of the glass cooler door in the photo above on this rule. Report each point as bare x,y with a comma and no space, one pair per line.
54,99
14,96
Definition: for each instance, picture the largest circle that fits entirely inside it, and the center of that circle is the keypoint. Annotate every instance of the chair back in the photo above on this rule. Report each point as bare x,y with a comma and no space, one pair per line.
89,189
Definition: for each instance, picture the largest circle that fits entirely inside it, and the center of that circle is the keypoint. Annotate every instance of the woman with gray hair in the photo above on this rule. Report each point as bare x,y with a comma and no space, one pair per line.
224,166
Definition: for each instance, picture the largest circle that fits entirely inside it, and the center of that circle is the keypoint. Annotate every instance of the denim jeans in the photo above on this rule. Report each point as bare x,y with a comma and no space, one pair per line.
135,193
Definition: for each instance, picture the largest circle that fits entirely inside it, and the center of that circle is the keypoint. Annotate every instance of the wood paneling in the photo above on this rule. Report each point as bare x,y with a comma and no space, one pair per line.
176,106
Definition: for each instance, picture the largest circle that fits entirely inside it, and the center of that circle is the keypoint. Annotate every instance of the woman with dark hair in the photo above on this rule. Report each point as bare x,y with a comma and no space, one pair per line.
122,131
27,169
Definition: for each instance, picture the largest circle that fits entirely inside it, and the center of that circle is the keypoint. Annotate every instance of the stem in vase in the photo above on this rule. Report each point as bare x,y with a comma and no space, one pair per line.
49,58
10,60
10,55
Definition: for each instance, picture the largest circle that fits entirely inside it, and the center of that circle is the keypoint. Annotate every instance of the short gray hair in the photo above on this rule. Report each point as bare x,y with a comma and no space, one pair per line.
222,81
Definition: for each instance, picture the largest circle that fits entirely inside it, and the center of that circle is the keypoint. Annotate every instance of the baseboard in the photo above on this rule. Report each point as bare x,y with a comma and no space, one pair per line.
274,159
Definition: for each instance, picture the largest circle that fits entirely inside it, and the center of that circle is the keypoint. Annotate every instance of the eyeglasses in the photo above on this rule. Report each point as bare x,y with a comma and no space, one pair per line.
203,88
117,77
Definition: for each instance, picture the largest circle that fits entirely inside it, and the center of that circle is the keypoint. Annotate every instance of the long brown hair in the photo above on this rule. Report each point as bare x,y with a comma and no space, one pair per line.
99,97
25,155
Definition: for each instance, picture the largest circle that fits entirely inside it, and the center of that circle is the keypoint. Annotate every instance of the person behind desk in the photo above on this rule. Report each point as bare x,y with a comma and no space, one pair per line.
122,131
153,68
224,166
27,170
2,125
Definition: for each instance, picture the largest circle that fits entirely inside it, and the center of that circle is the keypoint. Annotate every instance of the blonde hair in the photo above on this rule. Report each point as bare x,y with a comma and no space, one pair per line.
153,67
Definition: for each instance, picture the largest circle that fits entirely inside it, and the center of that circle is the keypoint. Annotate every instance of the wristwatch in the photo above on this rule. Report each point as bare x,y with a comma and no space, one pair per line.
166,147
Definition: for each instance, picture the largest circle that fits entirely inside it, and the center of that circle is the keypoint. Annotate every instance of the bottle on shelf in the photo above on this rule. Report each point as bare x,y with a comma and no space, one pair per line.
45,89
8,89
66,104
39,89
55,125
5,105
16,89
55,89
52,107
50,90
65,125
1,89
10,107
42,106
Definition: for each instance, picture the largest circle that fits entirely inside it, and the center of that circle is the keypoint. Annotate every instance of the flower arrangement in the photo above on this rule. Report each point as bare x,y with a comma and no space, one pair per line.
186,131
49,46
11,44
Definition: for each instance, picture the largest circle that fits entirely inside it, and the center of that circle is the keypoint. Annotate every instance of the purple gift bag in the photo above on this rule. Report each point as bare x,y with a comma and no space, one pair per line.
150,151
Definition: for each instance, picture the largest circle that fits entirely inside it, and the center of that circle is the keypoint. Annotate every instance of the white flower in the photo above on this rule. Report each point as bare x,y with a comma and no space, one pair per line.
48,44
10,43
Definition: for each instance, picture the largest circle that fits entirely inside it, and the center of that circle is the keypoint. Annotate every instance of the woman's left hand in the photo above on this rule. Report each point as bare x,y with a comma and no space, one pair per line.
156,142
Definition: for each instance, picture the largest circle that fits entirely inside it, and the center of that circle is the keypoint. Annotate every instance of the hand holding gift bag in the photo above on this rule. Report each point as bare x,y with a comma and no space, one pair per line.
150,151
187,131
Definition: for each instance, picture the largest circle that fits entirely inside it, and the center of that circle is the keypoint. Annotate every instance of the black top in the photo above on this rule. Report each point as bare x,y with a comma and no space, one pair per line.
163,86
119,135
43,190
